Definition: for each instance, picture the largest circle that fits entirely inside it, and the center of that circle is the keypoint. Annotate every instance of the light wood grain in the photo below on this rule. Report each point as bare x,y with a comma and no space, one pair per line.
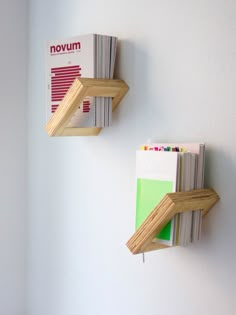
169,206
81,88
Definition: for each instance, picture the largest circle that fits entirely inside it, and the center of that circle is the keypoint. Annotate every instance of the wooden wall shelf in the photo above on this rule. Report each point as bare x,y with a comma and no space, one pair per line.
82,87
169,206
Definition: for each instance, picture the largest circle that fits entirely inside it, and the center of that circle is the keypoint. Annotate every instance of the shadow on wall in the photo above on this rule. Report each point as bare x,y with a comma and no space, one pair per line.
219,224
133,66
136,64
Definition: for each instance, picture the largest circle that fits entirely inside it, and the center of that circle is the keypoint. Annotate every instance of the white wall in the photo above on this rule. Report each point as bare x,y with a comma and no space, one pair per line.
13,61
178,57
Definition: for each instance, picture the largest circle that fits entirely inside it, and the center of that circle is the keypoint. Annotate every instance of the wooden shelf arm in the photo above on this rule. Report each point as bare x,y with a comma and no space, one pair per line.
82,87
169,206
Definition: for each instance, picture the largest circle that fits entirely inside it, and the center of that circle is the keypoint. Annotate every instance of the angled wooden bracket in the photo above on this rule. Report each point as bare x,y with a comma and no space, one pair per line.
82,87
169,206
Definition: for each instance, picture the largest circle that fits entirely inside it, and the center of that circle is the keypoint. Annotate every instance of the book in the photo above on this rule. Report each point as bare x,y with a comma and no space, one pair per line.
188,178
156,175
88,56
184,227
197,149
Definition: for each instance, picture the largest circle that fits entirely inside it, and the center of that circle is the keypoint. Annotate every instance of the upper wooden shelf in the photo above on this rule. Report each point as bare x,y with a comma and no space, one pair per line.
82,87
169,206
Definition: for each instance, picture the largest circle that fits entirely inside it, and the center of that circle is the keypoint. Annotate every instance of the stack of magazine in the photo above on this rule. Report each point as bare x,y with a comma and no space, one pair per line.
170,167
88,56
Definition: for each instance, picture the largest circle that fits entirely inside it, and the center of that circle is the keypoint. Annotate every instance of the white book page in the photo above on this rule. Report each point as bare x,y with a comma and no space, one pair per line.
157,165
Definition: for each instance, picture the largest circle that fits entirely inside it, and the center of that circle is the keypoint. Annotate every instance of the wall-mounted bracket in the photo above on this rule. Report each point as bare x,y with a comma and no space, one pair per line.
82,87
169,206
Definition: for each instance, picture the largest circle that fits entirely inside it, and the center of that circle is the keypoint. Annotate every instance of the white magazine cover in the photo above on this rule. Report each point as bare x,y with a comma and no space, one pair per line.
66,60
159,171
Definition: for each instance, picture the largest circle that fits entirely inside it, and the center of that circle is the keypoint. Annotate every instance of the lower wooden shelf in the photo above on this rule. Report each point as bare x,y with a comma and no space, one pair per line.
82,87
169,206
